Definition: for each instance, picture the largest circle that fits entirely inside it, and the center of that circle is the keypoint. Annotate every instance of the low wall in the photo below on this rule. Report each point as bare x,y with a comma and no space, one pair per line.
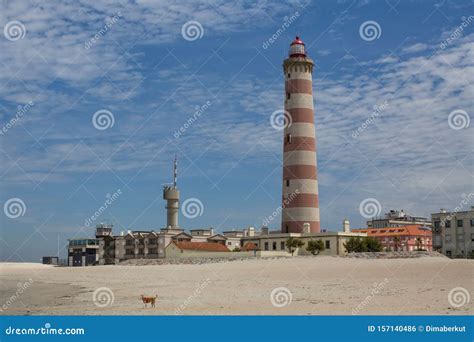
207,255
228,255
272,254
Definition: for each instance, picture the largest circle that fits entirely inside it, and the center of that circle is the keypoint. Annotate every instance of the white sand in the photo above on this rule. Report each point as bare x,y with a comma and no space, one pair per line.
319,286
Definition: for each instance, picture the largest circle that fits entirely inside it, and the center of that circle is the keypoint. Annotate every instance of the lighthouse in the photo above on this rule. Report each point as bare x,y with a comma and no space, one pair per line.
300,203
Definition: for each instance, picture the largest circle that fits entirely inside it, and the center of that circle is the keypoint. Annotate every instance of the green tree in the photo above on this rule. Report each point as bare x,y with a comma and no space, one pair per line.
292,244
372,245
358,245
314,247
354,245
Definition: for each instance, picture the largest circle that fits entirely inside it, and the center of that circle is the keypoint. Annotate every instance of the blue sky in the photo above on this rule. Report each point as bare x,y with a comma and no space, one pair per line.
412,155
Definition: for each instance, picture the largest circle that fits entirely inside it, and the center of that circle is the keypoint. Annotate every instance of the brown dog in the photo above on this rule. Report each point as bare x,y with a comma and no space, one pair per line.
149,300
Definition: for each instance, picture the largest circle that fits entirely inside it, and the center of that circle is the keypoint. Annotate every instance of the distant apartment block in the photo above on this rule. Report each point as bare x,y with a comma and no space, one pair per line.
453,233
397,218
405,238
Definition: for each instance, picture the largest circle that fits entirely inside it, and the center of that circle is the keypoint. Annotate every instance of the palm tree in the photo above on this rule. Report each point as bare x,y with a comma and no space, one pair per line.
396,243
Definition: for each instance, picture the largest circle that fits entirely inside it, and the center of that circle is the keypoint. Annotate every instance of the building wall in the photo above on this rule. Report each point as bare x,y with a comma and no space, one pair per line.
453,238
333,242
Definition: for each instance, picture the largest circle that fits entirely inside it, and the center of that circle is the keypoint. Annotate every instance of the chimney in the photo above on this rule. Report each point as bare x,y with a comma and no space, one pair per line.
346,226
251,231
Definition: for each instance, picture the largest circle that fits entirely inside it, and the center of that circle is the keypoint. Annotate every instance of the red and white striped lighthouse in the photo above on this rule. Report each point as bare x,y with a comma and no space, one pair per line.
300,178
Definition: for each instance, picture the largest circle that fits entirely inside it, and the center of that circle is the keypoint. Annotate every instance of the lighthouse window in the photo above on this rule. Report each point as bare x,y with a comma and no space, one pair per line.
287,182
288,96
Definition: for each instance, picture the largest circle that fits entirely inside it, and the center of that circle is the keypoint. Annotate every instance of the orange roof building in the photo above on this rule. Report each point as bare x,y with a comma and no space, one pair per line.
405,238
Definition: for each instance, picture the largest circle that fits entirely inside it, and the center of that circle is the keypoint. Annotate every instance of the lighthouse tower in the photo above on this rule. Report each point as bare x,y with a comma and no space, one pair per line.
300,202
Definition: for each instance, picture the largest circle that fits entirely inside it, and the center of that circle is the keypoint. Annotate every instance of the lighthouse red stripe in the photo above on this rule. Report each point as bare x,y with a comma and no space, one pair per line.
300,144
300,172
301,115
301,201
299,85
297,226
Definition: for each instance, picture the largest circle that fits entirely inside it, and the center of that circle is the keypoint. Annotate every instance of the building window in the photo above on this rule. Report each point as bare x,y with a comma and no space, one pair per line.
436,224
282,244
152,241
447,224
140,251
448,253
229,243
461,238
266,246
472,222
328,244
288,138
287,182
274,246
448,238
286,227
289,75
288,96
129,243
153,251
459,223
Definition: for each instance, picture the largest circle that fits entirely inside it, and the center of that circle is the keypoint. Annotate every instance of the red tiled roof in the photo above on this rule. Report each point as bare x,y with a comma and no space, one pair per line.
249,246
412,230
202,246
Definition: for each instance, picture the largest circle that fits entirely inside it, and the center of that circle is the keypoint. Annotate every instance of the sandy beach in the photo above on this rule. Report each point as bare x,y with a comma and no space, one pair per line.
301,286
